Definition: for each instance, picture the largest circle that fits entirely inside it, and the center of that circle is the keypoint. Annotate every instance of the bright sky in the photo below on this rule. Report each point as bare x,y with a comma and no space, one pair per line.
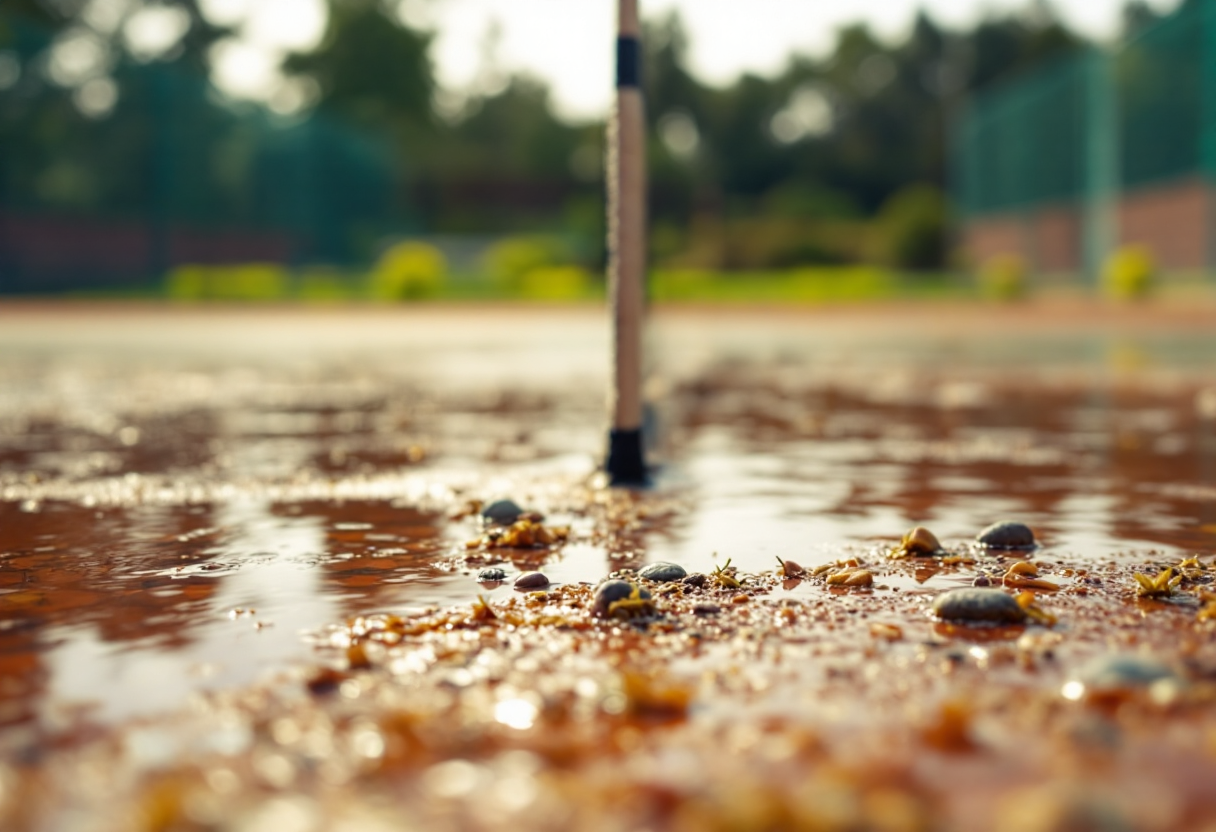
568,43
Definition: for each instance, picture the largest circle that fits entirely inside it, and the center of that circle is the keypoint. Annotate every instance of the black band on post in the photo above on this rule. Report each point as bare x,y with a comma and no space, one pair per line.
625,465
628,62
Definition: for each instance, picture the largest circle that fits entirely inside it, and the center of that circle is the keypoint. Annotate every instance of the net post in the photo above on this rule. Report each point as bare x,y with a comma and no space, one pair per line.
1207,131
626,180
1101,173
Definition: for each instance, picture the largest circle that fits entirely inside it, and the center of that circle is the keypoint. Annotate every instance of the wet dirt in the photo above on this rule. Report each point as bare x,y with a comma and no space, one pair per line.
187,500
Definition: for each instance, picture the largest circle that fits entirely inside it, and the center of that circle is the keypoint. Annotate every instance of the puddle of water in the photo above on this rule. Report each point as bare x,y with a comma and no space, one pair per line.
803,471
174,522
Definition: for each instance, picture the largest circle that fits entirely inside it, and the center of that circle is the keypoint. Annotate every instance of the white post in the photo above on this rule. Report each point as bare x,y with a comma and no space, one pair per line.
627,251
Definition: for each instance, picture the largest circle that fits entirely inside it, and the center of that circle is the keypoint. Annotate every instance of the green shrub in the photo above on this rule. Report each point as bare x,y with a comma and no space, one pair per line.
187,282
509,260
251,281
1003,277
244,282
843,283
682,284
910,230
323,285
812,284
1130,273
556,283
409,271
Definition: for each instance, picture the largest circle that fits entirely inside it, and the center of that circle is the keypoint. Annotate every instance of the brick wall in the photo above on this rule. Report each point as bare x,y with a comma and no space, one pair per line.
986,237
40,253
1048,238
1173,219
1056,239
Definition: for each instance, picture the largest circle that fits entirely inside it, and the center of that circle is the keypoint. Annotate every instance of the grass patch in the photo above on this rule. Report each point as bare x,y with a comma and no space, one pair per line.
560,284
829,284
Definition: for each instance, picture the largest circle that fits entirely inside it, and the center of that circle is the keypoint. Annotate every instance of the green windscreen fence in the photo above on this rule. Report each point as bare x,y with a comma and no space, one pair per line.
112,181
1160,81
1083,130
1025,143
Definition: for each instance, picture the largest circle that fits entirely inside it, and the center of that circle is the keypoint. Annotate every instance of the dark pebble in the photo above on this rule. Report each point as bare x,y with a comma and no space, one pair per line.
609,592
982,580
706,609
531,580
325,680
501,513
981,605
695,579
1007,534
491,574
663,571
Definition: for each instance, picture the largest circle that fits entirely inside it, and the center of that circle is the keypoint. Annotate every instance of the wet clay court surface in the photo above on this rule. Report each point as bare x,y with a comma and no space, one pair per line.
239,571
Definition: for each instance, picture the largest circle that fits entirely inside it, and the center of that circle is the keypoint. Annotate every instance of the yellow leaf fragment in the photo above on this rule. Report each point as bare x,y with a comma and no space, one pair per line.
950,730
1191,569
1026,600
635,606
1161,585
523,534
891,632
356,657
649,695
724,578
482,610
1017,582
1208,611
853,576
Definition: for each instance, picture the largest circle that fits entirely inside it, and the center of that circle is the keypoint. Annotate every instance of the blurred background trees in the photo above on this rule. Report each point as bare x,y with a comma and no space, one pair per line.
839,159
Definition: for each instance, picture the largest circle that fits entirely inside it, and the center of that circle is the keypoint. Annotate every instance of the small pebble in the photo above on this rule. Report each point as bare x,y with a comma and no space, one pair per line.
1007,534
696,579
325,680
982,580
493,573
501,513
1122,671
662,571
531,580
706,609
981,605
609,592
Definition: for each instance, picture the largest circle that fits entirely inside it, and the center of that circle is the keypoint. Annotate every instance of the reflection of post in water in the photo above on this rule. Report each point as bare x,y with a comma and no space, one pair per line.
1205,448
1101,170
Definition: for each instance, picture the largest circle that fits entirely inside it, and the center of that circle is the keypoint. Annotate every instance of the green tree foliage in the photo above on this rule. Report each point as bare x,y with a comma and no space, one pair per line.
56,16
826,139
761,172
910,229
371,69
513,134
